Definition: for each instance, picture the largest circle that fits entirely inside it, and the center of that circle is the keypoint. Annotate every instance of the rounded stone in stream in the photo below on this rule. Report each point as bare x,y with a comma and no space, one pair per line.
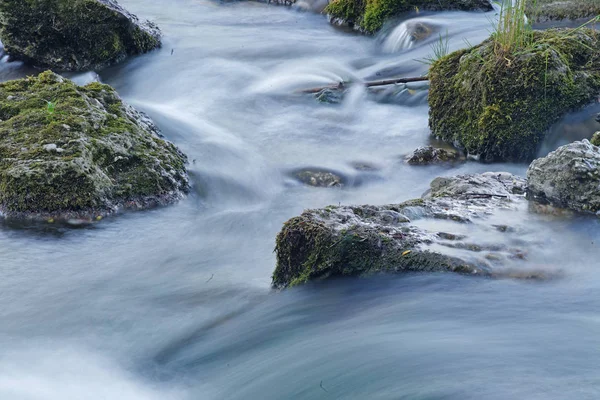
73,35
430,155
569,177
358,240
319,177
330,96
78,152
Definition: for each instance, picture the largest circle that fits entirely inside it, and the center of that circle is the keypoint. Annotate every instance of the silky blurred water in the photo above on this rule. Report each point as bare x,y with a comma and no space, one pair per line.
175,303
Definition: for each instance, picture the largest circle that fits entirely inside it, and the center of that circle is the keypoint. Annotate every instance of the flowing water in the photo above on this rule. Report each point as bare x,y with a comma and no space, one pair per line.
175,303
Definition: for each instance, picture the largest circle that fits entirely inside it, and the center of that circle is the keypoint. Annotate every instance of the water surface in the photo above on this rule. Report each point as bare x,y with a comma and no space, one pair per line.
175,303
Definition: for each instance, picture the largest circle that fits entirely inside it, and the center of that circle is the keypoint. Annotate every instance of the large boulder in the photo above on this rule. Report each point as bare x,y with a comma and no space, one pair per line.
425,234
73,35
567,178
369,15
558,10
499,104
78,152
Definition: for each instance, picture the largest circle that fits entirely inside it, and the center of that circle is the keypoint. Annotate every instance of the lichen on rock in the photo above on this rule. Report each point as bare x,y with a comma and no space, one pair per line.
69,151
500,106
73,35
359,240
369,15
558,10
569,177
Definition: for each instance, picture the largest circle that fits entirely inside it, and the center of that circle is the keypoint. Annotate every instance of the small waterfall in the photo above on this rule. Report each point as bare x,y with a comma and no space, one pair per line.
405,35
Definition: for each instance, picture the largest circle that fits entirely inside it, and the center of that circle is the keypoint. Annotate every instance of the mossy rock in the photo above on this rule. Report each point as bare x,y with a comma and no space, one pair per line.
558,10
362,240
499,105
77,152
73,35
369,15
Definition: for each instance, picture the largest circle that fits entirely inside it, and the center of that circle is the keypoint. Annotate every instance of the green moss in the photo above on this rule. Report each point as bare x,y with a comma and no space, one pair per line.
88,154
70,34
308,249
557,10
501,107
370,15
596,139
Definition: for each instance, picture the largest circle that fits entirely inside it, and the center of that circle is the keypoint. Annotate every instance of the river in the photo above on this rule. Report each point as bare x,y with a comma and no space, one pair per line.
175,303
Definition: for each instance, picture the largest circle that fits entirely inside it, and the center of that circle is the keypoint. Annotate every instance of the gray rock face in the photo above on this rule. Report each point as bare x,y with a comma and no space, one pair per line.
568,178
430,155
73,35
425,234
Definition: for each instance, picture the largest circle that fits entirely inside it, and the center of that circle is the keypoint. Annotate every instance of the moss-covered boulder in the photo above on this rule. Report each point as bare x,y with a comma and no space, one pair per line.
77,152
73,35
499,105
558,10
359,240
369,15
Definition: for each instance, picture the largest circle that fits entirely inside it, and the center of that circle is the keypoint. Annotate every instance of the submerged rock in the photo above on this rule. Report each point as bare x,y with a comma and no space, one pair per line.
369,15
430,155
567,178
499,105
357,240
319,177
330,96
73,35
71,152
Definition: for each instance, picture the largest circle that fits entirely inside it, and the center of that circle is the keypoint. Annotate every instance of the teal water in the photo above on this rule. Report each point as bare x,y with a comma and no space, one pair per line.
175,303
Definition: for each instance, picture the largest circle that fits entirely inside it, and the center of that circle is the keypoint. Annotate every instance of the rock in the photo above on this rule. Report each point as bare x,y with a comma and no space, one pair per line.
567,178
330,96
409,33
369,15
319,178
476,103
358,240
596,139
73,35
430,155
112,155
365,166
558,10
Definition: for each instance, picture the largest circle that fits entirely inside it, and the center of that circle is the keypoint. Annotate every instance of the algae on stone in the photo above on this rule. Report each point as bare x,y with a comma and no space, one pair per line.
370,15
500,106
361,240
73,35
558,10
67,150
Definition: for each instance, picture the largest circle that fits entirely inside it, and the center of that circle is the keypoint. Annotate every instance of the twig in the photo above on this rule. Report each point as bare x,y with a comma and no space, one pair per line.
210,279
321,385
342,85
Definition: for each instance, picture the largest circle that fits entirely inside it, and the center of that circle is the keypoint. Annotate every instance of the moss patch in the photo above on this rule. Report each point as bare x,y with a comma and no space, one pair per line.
557,10
69,150
308,249
370,15
72,34
501,107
